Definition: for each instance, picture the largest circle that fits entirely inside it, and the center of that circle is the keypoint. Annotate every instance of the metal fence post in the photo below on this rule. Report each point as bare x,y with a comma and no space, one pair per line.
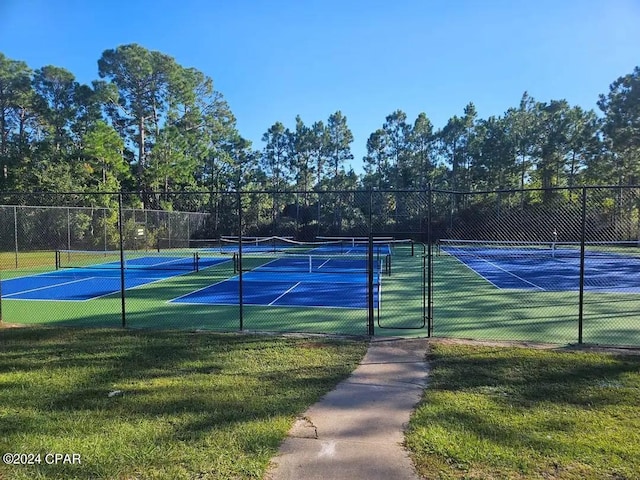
15,232
583,222
0,293
122,280
429,263
68,228
240,285
371,327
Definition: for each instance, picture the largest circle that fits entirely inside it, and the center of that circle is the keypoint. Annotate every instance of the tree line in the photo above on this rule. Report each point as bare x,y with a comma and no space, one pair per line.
152,126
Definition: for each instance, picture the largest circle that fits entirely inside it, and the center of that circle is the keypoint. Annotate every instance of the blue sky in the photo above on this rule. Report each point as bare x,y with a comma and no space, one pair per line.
273,60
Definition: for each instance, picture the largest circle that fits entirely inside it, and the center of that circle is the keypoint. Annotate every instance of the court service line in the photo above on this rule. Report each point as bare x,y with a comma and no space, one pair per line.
324,263
47,287
512,274
466,265
201,289
493,265
269,304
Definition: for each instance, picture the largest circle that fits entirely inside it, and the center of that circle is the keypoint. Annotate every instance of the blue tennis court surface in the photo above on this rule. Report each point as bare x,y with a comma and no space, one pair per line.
321,277
608,273
288,289
332,281
81,284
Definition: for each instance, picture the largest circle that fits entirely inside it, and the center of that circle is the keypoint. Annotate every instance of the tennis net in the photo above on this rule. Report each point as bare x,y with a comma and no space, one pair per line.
520,249
313,263
110,259
362,243
231,245
277,244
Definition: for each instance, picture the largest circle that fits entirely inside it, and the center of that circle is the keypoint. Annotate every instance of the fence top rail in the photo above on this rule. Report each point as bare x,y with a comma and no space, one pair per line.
427,189
124,209
539,189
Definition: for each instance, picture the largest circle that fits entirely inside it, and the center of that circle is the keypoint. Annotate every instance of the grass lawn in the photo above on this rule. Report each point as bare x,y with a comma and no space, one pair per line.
206,406
516,413
26,260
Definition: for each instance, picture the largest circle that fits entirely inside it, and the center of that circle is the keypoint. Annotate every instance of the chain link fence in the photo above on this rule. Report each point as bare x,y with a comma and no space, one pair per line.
557,266
554,265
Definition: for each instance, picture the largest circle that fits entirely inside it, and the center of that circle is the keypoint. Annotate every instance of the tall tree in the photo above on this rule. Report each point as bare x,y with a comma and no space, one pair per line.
523,127
145,82
339,139
301,155
422,149
469,122
56,90
451,146
621,126
65,110
583,142
276,153
493,161
102,148
552,146
397,132
376,162
16,97
275,159
318,141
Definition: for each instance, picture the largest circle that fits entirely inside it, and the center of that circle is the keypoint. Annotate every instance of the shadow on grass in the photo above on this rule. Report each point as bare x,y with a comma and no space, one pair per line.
563,377
210,381
524,413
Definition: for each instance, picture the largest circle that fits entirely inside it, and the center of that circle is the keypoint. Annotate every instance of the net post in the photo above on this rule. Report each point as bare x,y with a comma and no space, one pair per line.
196,262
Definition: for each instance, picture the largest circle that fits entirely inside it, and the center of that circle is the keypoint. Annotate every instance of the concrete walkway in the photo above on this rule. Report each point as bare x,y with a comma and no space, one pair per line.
356,431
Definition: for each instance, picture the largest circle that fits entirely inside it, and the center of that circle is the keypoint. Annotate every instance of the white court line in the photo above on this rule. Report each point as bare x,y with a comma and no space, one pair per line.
472,269
269,304
201,289
324,263
496,266
513,275
47,287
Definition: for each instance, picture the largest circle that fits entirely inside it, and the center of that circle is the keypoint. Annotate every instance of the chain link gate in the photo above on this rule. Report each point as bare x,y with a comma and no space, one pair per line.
403,218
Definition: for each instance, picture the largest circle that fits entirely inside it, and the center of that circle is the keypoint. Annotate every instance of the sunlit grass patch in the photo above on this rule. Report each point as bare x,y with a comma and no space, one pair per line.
493,412
172,405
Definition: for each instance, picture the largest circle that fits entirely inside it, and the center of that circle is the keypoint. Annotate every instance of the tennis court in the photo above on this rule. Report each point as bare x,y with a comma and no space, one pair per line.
551,267
95,280
328,274
315,280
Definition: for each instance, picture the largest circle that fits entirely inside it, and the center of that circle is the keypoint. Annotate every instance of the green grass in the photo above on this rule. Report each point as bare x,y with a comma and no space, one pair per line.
516,413
206,406
11,263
